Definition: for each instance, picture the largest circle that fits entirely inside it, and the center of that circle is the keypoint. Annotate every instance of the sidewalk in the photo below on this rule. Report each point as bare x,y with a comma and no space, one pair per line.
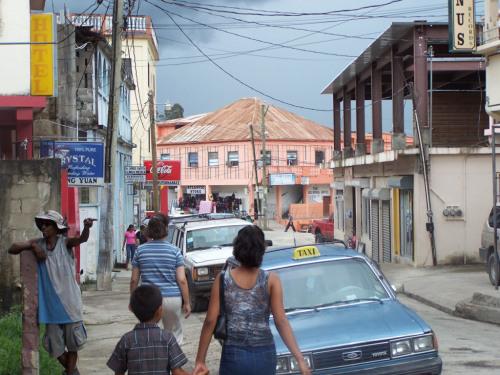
457,290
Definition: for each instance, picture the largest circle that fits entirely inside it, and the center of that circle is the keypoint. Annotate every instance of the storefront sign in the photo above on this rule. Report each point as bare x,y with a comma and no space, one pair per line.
195,190
84,160
282,179
462,26
42,54
135,173
169,171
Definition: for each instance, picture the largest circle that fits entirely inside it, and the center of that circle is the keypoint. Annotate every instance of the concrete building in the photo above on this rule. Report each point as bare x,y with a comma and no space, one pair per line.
217,159
17,104
385,197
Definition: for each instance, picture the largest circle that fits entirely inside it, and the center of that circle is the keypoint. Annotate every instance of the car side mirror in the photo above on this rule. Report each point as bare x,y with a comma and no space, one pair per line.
269,243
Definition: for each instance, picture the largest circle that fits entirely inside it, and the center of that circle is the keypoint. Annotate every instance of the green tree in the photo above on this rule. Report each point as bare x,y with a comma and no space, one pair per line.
176,111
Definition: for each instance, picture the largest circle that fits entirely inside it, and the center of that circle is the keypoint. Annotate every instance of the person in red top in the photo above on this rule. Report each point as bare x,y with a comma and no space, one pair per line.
130,240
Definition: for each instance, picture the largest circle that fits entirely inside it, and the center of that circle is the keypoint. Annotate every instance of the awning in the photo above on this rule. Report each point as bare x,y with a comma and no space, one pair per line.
400,182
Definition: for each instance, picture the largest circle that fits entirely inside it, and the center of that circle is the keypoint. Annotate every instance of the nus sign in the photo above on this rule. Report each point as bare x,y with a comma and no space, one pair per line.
462,26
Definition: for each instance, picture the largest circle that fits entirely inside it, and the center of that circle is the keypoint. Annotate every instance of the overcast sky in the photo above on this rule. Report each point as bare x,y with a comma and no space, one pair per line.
290,75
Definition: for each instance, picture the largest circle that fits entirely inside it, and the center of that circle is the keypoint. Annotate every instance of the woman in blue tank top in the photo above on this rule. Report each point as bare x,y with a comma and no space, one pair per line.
250,296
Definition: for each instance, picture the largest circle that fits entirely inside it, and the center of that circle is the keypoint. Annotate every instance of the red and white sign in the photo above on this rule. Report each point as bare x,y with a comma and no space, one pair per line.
169,171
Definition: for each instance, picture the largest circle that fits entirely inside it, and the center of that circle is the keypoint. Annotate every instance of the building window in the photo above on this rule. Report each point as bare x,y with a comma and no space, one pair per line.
233,159
268,157
165,157
291,157
193,159
213,159
84,195
319,157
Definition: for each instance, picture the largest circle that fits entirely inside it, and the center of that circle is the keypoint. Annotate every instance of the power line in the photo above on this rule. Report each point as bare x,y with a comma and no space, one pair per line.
248,37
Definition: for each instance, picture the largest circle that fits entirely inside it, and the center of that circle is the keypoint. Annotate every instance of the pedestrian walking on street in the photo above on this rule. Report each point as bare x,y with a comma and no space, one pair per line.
129,239
290,224
59,299
250,295
141,235
147,349
158,262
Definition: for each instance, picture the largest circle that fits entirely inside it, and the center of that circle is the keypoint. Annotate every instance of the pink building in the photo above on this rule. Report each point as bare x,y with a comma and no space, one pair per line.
218,160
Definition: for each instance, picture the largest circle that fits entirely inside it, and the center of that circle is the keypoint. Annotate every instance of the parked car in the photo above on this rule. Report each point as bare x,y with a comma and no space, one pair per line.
173,220
323,229
487,249
205,246
346,317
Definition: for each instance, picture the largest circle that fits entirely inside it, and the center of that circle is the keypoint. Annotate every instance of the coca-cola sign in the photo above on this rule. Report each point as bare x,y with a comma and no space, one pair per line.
169,171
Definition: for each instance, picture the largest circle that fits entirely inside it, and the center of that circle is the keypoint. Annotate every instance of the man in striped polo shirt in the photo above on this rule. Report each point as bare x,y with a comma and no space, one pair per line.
159,263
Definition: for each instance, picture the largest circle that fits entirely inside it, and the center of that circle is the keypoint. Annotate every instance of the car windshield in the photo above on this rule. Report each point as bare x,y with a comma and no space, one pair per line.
206,238
329,283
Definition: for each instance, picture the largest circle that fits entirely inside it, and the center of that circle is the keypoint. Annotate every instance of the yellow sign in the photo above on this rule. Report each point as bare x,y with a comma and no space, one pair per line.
462,26
42,54
305,252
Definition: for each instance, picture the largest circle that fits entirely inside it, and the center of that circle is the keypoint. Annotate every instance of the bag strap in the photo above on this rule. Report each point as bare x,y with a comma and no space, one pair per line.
221,292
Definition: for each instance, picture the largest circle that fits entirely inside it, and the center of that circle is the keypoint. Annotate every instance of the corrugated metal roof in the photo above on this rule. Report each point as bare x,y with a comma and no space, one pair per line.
231,123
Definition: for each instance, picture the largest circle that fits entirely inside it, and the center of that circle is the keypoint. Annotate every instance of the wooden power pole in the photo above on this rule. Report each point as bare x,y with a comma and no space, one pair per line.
107,229
263,111
257,202
154,162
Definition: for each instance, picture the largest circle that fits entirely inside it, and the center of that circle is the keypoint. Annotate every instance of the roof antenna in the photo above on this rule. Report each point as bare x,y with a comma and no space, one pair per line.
294,240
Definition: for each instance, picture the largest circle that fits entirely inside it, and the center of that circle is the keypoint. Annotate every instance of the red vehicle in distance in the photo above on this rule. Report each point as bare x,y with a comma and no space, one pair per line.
323,229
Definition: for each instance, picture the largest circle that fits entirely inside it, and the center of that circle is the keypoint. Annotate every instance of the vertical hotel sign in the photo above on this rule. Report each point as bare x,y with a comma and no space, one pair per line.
42,54
462,26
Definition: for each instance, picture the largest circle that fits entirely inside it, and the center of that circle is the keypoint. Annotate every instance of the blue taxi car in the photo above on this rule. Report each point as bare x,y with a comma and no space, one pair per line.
346,317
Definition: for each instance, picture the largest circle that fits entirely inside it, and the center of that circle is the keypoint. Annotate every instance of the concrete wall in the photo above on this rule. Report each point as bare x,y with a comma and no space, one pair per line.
15,64
26,187
456,180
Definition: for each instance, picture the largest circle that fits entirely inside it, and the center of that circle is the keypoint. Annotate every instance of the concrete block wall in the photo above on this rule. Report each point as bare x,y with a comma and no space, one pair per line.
26,188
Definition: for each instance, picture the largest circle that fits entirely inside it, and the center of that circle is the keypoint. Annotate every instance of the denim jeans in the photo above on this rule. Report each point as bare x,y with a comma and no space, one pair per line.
244,360
130,252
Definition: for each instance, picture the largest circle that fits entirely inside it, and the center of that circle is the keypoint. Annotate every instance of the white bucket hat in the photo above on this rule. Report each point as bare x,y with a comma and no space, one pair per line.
53,216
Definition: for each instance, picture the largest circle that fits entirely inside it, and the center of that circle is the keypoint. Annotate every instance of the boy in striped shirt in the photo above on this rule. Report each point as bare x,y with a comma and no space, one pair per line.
147,349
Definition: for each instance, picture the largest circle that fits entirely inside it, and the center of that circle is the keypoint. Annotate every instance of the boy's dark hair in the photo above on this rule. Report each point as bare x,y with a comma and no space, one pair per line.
144,302
142,227
162,217
249,246
156,228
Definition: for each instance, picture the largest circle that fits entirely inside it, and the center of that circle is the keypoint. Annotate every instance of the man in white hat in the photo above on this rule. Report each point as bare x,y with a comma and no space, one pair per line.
59,296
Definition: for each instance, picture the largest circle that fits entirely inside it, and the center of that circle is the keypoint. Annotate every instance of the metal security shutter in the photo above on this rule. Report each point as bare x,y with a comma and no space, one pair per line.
386,231
375,231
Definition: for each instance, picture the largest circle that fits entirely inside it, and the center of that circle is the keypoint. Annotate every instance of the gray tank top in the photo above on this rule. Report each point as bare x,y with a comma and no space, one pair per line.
248,312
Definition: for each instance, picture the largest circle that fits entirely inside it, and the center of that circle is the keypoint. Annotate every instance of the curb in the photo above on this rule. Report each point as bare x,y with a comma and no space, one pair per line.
427,302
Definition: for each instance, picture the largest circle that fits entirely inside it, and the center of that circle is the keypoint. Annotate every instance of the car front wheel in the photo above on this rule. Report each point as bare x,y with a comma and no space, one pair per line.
319,238
493,269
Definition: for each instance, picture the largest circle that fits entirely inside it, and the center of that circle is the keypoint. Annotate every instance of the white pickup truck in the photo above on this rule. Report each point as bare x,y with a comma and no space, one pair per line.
205,246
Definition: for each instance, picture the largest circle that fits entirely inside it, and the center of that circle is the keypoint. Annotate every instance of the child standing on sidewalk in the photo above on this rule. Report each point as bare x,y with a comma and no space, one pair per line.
148,349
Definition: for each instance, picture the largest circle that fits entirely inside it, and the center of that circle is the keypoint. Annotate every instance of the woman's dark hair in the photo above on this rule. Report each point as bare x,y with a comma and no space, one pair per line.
131,226
249,246
144,302
156,229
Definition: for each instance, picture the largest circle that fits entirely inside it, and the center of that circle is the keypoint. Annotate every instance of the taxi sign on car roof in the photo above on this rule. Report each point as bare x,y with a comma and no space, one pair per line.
305,252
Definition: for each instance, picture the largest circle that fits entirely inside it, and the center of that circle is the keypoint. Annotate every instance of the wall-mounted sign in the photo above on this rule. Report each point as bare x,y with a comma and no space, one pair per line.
282,179
169,171
135,173
462,26
42,54
195,190
84,160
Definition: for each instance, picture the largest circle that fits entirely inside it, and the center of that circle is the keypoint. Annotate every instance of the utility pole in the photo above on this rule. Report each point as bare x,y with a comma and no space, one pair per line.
106,245
152,132
263,111
259,208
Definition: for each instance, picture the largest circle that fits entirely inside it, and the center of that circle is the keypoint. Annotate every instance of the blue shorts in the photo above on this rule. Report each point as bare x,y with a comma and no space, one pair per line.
244,360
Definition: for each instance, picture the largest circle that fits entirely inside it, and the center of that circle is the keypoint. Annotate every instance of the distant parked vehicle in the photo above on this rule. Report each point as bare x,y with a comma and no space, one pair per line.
487,249
323,229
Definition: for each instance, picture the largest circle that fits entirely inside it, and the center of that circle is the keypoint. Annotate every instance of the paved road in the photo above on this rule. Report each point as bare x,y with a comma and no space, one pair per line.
466,346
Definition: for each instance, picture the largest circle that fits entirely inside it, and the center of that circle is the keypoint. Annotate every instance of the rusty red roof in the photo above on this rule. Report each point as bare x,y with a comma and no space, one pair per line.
231,123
